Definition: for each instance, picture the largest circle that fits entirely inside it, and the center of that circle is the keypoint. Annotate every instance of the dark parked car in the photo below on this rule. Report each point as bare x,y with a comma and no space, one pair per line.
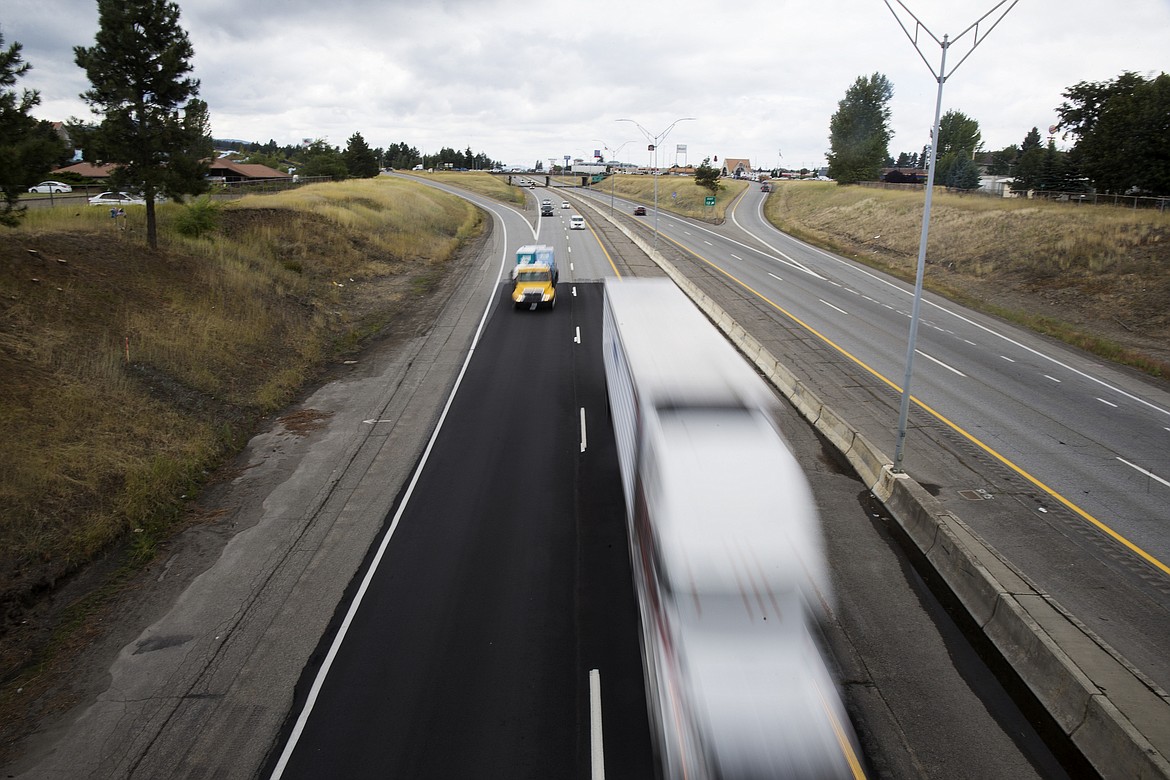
639,211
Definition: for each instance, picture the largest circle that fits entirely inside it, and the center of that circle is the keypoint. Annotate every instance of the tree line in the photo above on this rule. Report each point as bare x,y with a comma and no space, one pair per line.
356,160
1118,127
153,124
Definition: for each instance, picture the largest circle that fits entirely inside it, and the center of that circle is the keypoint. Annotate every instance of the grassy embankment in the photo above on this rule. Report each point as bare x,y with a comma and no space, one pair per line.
126,375
491,185
690,197
1097,277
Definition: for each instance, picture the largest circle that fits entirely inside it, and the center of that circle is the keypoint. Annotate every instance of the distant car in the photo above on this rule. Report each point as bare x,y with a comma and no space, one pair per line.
639,211
50,187
546,210
576,222
564,204
546,202
765,188
117,199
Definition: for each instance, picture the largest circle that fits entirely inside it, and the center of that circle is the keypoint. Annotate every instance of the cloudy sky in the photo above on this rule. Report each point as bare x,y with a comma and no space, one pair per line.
522,80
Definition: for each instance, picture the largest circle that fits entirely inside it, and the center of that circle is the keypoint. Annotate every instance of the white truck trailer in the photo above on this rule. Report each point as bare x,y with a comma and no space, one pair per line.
725,547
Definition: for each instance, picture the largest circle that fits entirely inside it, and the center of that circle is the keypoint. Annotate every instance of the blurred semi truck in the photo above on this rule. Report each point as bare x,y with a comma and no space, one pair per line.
725,548
534,277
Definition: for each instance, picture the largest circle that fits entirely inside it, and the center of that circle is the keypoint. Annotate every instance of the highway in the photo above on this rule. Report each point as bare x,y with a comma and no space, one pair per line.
1073,452
502,583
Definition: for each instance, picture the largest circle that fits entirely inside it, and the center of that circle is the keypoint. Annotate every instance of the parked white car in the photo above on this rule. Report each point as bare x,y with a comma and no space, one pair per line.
117,199
47,187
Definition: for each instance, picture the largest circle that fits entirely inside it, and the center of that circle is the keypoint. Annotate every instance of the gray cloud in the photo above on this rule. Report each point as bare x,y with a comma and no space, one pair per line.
523,81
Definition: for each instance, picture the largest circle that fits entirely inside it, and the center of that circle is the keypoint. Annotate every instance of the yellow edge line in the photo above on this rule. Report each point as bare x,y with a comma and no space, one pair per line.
616,272
1147,557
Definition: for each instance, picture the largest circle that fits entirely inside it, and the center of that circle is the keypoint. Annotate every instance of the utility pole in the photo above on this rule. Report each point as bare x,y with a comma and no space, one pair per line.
655,142
941,75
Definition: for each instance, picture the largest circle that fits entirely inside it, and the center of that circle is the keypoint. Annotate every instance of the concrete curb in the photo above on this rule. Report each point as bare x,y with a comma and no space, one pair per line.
1117,719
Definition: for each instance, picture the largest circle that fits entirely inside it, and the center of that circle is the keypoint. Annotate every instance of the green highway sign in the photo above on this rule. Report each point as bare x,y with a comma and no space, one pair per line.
710,200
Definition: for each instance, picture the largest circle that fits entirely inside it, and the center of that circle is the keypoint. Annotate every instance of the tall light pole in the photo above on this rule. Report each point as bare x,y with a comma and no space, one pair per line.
941,75
613,154
655,142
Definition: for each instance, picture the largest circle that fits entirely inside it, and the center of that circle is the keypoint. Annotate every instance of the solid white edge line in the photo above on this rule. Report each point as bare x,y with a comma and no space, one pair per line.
319,681
596,740
1149,474
583,438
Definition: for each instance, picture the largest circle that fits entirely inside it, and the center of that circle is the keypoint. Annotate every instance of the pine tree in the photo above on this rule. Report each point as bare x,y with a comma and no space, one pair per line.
154,127
707,177
963,173
859,132
28,147
360,160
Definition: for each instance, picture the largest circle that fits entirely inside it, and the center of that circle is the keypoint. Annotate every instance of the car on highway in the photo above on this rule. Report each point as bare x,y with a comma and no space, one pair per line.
564,204
546,210
639,211
49,187
117,199
576,222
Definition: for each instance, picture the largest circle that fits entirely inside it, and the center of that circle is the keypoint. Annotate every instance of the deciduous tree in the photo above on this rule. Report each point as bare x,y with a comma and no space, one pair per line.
154,126
1123,143
859,132
957,133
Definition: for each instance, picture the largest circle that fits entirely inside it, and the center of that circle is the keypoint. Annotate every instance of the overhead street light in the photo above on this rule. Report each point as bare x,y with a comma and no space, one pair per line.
941,75
655,142
612,180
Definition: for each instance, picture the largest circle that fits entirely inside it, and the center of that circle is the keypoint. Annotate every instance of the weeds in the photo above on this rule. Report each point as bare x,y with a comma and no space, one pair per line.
127,374
1105,262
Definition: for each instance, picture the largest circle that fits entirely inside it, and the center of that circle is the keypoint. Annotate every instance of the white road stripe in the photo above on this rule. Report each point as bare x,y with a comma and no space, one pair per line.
1005,357
936,360
774,276
596,741
577,338
1149,474
583,442
831,306
1054,379
1108,403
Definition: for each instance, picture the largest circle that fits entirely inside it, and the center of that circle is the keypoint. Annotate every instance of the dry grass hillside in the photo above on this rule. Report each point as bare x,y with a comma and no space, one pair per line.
1095,276
127,375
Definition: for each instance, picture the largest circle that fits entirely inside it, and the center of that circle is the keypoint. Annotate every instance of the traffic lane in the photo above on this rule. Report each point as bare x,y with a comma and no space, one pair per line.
996,388
462,660
1114,591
